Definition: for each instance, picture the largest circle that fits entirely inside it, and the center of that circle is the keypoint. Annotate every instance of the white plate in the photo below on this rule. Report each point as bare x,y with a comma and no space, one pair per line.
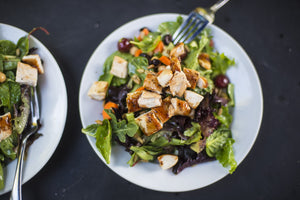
53,107
245,127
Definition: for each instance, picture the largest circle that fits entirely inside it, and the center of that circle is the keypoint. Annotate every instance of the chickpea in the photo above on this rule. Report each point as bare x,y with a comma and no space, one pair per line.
2,77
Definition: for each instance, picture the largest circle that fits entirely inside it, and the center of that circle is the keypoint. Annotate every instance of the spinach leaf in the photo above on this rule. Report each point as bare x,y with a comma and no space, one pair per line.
122,128
15,92
226,156
4,95
170,27
138,66
230,92
103,139
149,42
8,148
7,47
1,177
10,64
116,81
225,117
194,129
220,63
23,46
107,76
216,141
90,130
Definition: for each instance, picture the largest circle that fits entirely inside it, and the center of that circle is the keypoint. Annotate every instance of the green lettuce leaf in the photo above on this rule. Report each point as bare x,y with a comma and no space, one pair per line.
194,129
220,63
149,42
7,147
170,27
90,130
103,139
216,141
226,156
230,92
225,117
138,66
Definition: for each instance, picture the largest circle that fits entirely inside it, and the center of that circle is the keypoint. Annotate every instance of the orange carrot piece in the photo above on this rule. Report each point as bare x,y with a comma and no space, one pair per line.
159,47
137,53
165,60
140,88
145,31
108,105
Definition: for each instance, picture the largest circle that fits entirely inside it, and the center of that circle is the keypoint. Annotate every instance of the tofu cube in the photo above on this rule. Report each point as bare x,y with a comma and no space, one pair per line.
179,107
192,76
178,84
34,60
149,100
5,126
178,51
149,123
132,101
151,83
26,74
98,90
119,67
164,77
193,98
162,112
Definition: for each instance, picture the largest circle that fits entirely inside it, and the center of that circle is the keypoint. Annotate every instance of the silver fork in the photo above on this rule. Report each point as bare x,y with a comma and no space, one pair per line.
16,192
196,22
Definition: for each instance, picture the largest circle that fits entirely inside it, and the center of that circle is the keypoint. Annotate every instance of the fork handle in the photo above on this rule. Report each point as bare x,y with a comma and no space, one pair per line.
218,5
16,192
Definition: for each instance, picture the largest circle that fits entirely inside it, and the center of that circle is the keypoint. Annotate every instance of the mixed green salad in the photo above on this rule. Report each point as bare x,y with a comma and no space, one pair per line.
165,103
19,68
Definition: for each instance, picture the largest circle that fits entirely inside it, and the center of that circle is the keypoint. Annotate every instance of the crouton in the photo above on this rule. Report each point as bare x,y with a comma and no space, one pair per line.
98,90
26,74
119,67
34,60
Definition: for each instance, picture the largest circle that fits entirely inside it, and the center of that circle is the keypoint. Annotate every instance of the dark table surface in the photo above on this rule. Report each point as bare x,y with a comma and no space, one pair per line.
268,31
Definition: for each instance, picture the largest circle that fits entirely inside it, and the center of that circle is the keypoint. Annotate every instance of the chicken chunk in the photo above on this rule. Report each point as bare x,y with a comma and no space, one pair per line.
26,74
149,100
162,112
151,83
175,64
204,61
166,161
149,123
5,126
98,90
164,77
178,51
178,84
192,76
132,101
119,67
193,98
179,107
202,82
34,60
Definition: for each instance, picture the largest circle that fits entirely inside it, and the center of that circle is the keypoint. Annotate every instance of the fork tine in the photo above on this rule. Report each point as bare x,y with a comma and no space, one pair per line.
186,29
34,104
186,36
199,29
186,22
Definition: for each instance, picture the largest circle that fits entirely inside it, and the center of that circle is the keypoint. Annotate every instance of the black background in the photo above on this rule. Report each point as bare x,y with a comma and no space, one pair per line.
268,31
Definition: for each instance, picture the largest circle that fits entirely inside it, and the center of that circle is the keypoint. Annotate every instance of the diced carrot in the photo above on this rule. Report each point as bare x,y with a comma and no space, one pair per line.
137,53
140,88
159,47
165,60
143,33
108,105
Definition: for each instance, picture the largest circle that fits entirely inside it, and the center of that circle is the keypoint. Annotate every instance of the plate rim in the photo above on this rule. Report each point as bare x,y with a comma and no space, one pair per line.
64,112
89,138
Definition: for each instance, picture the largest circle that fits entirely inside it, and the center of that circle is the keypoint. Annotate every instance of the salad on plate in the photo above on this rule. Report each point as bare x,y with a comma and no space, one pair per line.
19,70
165,103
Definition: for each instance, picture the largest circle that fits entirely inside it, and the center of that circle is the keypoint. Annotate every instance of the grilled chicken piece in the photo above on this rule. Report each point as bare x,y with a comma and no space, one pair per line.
149,100
164,77
178,84
166,161
193,98
178,51
26,74
179,107
204,61
98,90
202,82
192,76
5,126
151,83
162,112
132,101
175,64
119,67
34,60
149,123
